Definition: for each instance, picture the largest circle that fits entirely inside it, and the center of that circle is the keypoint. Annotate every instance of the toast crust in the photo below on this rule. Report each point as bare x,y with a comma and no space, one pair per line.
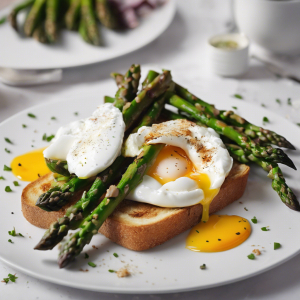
134,225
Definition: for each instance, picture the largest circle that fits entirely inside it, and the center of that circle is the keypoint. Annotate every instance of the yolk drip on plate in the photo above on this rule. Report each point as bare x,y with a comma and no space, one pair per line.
172,163
220,233
30,166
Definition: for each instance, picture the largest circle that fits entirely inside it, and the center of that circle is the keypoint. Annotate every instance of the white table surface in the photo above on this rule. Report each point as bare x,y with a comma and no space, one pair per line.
180,48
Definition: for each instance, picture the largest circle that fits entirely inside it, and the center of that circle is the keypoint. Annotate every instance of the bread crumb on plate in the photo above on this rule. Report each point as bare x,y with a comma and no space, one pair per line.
256,252
123,273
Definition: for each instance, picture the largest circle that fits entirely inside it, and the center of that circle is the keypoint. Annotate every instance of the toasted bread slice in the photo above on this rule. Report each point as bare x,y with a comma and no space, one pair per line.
139,226
35,215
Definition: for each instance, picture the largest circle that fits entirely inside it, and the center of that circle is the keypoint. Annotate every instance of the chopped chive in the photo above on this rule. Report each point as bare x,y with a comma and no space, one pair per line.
6,150
263,105
265,229
251,256
6,168
31,115
277,246
12,232
24,126
115,255
86,256
91,264
245,208
254,220
16,183
10,241
8,189
20,234
238,96
298,124
76,113
197,231
48,138
289,101
2,178
8,140
111,271
203,267
265,120
53,118
234,107
278,101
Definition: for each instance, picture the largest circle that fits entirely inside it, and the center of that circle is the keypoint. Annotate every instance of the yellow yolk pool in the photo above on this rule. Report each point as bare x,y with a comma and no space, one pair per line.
30,166
219,233
172,163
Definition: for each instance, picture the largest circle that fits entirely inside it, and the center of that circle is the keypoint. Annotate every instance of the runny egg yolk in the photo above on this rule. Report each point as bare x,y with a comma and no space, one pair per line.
219,233
30,166
172,163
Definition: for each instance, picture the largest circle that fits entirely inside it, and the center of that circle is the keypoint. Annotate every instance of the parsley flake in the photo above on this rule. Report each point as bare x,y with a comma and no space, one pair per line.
263,105
278,101
203,267
115,255
254,220
16,183
53,118
2,178
20,234
8,189
91,264
24,126
251,256
48,138
86,256
238,96
111,271
31,115
277,246
265,120
234,107
6,168
8,140
76,113
289,101
6,280
6,150
10,241
265,229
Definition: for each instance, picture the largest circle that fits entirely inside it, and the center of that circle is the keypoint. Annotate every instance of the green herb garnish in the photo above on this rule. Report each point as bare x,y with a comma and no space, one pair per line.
111,271
3,20
20,234
6,150
263,105
245,208
2,178
53,118
6,280
115,255
265,229
76,113
6,168
24,126
254,220
12,277
8,140
234,107
298,124
265,120
238,96
8,189
251,256
86,256
48,138
278,101
12,232
10,241
16,183
203,267
289,101
277,246
91,264
31,115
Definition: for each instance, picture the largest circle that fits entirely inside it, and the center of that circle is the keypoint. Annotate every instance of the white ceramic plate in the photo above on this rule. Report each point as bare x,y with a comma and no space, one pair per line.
166,268
70,51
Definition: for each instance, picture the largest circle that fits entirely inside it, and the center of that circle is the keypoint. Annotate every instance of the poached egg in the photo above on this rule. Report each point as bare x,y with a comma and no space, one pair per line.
90,145
190,169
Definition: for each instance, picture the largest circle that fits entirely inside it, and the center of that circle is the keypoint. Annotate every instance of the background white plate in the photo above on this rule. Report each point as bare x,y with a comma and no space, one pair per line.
166,268
70,50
